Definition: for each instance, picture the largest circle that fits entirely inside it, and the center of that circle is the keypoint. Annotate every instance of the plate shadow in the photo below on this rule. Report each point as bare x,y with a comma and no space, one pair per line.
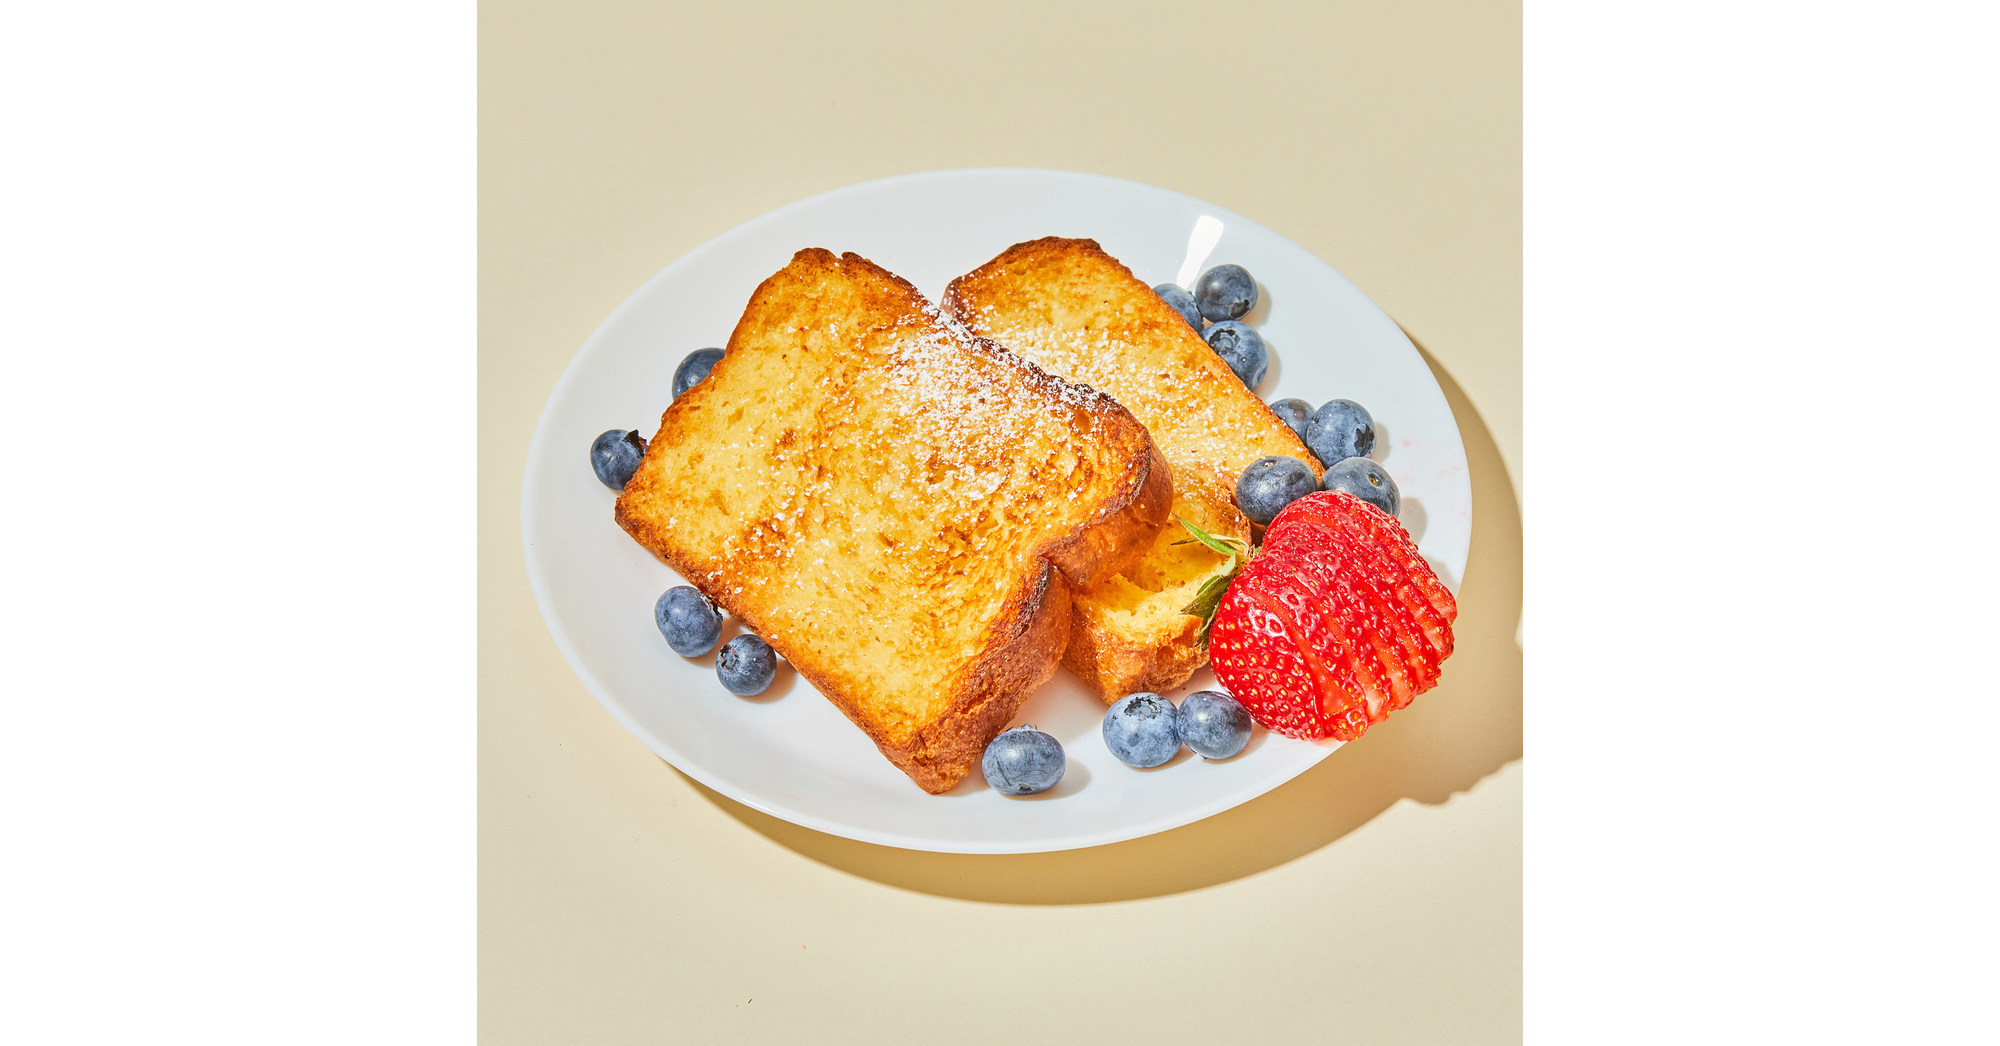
1446,742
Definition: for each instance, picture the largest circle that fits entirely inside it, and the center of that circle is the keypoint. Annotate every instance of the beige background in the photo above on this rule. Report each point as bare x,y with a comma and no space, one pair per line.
1376,899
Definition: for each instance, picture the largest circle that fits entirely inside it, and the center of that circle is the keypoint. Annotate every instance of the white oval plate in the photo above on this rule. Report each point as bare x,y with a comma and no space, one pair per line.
789,753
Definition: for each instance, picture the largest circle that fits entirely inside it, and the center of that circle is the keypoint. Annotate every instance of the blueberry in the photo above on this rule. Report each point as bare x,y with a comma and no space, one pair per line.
746,665
1023,761
694,368
1270,483
1225,292
1143,729
1214,724
1340,429
1365,480
615,454
688,620
1182,301
1293,411
1242,348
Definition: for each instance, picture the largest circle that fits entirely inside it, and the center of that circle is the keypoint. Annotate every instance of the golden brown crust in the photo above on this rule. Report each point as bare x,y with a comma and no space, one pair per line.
1072,308
1023,655
856,322
1112,544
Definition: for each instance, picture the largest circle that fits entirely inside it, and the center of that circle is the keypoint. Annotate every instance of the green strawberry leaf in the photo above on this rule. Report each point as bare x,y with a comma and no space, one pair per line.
1226,546
1209,598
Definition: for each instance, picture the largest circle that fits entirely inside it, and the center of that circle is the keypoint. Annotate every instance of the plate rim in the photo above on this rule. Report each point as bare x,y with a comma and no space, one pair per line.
667,753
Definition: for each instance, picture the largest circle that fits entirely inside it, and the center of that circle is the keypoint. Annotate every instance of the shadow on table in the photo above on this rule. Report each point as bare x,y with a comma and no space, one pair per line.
1444,743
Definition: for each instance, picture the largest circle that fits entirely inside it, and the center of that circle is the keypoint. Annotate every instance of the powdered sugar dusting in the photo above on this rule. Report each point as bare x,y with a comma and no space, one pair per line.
889,467
1200,415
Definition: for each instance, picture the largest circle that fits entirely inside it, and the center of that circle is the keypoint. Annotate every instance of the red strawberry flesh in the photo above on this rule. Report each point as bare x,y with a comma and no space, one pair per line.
1336,622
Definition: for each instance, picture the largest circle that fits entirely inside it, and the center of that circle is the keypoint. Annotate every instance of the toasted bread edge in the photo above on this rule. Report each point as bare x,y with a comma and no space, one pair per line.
1025,648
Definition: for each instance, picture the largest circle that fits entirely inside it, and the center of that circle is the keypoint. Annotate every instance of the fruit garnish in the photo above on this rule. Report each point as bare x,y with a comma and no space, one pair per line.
1336,623
691,624
1142,729
1225,292
746,665
1340,429
1023,761
694,368
615,455
1242,348
1293,411
1365,480
1214,724
1270,483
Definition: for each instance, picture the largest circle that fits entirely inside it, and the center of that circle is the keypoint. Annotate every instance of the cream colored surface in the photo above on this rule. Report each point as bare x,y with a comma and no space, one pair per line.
1375,899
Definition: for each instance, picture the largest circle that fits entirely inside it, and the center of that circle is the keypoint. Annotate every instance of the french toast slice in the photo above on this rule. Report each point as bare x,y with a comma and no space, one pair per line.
901,510
1076,311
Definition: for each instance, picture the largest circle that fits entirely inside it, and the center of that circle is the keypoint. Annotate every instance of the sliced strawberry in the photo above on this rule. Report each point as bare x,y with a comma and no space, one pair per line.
1342,684
1396,568
1392,539
1386,584
1325,507
1335,623
1344,571
1381,637
1268,672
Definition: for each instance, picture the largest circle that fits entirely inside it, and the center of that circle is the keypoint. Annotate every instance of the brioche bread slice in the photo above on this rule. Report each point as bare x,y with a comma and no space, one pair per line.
1078,312
896,507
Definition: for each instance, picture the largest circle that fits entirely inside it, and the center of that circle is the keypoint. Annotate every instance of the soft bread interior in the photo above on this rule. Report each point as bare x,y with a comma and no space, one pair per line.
1149,598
